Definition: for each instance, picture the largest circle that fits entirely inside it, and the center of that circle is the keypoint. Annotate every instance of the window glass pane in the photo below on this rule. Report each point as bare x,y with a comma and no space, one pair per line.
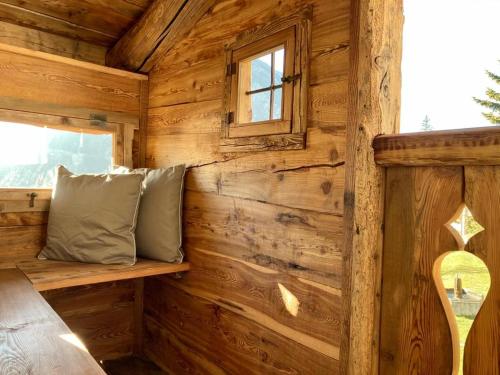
277,104
261,72
29,154
261,105
444,68
279,65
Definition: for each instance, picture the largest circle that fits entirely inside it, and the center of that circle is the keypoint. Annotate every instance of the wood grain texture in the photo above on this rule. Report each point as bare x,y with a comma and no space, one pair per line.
33,336
303,309
318,188
374,101
187,334
181,26
18,200
479,146
415,334
482,196
102,315
269,216
304,242
20,243
140,41
52,274
50,81
38,40
94,21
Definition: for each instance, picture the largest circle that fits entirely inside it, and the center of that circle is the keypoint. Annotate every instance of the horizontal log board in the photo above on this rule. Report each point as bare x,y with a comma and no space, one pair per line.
38,40
34,339
52,81
478,146
306,243
241,344
262,229
94,21
310,317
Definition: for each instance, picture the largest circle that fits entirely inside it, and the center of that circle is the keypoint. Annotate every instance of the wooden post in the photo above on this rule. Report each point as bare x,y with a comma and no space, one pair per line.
374,105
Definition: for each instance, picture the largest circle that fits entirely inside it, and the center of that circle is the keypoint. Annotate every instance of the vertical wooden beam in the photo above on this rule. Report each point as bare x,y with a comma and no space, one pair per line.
139,317
374,105
143,123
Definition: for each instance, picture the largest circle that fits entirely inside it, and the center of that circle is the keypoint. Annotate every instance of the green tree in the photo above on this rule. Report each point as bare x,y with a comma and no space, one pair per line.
426,124
493,101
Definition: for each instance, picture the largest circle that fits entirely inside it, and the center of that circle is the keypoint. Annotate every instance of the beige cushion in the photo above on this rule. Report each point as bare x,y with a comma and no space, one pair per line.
92,218
159,225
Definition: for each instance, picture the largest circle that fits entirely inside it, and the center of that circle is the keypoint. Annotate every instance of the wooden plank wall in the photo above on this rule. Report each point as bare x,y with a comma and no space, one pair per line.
42,88
264,230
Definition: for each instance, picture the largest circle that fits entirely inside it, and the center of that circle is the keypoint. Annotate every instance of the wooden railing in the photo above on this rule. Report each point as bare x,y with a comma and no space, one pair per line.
431,176
480,146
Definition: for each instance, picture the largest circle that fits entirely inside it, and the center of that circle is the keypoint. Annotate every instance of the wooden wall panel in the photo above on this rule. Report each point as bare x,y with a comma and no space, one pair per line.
482,196
252,221
415,334
188,334
101,315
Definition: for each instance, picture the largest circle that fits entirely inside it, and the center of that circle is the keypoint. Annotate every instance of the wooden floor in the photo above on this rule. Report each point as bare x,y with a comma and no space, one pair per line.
131,366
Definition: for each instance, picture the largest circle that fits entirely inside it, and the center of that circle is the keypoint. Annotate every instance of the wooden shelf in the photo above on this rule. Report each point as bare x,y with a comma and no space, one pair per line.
49,274
34,338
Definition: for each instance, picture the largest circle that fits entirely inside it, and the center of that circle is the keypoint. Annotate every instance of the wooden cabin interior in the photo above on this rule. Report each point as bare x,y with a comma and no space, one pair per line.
305,232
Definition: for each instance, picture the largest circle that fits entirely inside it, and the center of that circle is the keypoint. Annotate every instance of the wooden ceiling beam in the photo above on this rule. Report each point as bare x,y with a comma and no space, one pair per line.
163,24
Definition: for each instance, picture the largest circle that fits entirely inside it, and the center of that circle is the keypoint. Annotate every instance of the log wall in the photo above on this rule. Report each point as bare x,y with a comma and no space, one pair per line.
42,89
263,231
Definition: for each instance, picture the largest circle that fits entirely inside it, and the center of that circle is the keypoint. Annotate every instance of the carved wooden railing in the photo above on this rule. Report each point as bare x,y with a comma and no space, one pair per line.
431,176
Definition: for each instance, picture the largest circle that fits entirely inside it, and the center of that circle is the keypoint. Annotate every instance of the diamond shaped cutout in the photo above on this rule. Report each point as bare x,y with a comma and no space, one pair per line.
463,226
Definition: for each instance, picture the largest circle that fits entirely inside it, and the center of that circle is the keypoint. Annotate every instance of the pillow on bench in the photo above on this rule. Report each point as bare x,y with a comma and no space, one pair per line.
159,225
92,218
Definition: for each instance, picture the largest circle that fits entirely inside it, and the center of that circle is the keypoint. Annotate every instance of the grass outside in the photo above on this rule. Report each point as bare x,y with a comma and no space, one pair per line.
475,278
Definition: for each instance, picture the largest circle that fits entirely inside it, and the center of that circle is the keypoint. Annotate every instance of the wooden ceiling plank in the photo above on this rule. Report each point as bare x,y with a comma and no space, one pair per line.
109,17
181,26
160,28
24,17
132,49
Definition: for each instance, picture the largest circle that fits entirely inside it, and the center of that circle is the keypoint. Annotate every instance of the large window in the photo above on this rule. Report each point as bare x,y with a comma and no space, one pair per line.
451,68
29,154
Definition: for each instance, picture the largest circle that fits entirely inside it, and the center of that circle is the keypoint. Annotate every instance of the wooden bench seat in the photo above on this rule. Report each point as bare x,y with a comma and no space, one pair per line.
33,338
49,274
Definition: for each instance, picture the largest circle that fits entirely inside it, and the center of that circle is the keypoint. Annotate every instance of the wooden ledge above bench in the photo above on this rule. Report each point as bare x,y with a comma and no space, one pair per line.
50,274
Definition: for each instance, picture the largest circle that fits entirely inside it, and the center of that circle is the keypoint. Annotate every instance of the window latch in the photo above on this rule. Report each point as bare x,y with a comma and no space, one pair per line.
32,197
290,79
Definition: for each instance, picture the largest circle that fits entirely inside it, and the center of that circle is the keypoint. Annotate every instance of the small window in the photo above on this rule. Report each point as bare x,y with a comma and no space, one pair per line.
29,154
266,87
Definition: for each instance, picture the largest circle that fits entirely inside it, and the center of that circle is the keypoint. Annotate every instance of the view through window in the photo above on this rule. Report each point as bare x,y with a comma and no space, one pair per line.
449,46
29,154
262,88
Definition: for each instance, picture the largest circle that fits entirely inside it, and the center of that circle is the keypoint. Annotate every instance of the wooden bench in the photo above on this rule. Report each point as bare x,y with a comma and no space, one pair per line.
33,338
49,274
